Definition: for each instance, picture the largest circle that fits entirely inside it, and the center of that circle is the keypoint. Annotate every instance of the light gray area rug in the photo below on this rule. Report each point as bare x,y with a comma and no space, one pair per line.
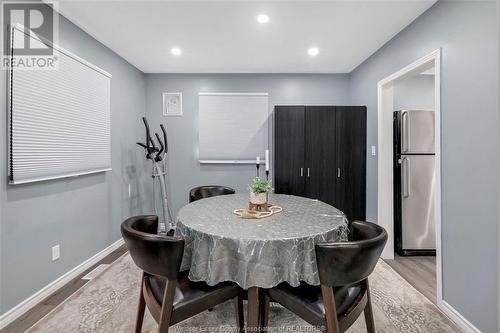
108,304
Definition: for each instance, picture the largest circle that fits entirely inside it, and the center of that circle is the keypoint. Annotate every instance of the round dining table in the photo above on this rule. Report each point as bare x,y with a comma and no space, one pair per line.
256,253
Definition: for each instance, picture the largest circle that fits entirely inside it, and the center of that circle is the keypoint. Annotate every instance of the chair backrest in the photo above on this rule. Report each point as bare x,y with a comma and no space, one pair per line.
207,191
344,263
155,254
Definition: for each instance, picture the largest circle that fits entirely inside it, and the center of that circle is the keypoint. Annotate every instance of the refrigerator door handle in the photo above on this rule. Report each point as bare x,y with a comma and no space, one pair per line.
405,132
406,177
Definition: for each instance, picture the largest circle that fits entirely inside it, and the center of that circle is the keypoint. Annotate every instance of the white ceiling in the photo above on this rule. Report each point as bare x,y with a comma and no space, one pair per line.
224,36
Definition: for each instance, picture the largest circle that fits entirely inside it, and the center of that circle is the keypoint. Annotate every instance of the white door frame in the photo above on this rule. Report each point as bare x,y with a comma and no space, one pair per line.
385,212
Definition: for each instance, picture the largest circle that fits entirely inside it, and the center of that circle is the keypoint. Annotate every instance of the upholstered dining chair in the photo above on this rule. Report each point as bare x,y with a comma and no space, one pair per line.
344,293
168,294
207,191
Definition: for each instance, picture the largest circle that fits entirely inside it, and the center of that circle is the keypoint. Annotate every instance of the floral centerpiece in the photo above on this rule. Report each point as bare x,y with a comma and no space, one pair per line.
258,191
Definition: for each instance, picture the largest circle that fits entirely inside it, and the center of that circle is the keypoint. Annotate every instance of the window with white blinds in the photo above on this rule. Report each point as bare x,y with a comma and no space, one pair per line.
59,119
233,127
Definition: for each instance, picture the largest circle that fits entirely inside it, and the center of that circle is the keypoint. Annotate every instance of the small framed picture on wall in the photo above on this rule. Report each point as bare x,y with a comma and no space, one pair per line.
172,104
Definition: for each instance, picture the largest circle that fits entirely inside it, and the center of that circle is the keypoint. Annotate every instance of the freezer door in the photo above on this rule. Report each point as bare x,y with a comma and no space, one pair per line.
417,190
417,132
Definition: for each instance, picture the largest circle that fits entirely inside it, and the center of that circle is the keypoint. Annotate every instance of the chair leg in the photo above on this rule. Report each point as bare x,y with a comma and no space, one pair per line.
140,310
265,312
370,323
238,307
253,309
332,323
166,308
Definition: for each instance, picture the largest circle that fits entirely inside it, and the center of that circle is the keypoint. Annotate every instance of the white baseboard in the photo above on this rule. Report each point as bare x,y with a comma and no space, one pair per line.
456,317
21,308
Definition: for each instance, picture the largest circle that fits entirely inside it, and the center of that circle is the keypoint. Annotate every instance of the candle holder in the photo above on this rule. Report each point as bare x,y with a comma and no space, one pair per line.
258,169
267,179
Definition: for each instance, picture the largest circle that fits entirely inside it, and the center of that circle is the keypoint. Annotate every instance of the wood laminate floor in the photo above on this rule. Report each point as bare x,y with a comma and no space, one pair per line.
27,320
420,272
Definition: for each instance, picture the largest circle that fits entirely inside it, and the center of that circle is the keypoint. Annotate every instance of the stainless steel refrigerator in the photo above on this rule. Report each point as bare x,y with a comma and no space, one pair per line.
414,183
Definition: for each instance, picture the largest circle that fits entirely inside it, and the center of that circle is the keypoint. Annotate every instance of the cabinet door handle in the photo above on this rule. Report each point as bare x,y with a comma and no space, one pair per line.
307,172
301,172
338,172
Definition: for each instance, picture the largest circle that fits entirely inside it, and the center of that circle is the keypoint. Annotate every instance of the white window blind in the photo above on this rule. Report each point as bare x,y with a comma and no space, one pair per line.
59,120
233,127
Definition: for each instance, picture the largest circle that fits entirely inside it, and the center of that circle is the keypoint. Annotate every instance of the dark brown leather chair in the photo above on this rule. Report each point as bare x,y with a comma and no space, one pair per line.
344,293
169,295
207,191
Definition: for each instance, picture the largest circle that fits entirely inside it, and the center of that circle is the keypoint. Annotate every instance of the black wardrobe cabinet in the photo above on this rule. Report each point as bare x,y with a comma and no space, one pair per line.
320,153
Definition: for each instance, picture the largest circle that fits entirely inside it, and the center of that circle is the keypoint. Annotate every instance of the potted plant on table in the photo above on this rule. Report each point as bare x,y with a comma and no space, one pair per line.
258,191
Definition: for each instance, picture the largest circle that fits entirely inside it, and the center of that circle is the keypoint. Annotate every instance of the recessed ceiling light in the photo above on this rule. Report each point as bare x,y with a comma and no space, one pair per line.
313,51
176,51
262,18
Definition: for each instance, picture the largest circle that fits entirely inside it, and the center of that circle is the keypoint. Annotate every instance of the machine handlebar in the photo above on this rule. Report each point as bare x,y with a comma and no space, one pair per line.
150,146
165,142
158,157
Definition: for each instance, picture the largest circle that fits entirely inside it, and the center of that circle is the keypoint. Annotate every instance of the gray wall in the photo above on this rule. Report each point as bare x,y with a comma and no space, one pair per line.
183,162
81,214
466,32
414,93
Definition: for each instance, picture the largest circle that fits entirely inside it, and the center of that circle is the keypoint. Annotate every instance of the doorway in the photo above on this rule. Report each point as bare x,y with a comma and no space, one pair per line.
386,108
